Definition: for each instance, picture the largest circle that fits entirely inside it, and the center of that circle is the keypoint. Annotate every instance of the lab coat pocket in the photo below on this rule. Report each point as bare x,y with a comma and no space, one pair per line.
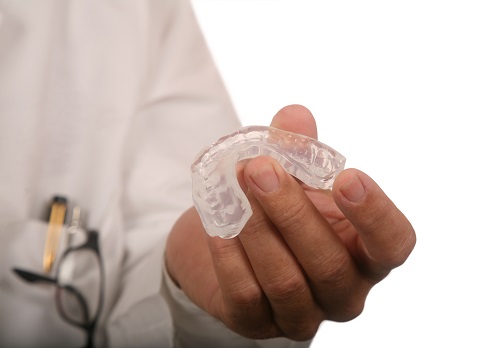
28,312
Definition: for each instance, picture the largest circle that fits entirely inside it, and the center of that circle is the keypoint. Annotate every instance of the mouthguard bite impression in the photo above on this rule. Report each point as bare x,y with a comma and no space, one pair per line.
223,207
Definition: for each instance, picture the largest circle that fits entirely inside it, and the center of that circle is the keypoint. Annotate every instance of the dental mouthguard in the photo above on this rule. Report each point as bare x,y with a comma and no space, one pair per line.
223,207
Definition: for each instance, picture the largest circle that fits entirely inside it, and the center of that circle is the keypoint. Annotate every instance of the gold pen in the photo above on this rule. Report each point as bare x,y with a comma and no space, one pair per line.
56,222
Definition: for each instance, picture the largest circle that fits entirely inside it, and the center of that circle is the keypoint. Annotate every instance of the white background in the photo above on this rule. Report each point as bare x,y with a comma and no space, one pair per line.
409,92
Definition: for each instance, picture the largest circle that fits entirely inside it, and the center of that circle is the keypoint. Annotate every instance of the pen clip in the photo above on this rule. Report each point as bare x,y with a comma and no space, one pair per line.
76,223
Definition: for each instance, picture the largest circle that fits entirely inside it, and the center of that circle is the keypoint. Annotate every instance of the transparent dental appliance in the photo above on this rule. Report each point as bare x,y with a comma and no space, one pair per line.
223,207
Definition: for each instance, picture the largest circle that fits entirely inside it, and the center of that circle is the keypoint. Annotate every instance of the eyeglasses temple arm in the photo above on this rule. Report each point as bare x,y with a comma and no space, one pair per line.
32,277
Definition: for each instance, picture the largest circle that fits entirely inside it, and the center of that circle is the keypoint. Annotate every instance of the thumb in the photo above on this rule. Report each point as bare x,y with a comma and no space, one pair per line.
297,119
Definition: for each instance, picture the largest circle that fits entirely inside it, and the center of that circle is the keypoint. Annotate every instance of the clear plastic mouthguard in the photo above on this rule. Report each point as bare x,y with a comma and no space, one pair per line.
217,195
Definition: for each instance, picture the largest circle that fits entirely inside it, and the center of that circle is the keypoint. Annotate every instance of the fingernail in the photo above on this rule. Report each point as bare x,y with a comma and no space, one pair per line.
353,190
266,178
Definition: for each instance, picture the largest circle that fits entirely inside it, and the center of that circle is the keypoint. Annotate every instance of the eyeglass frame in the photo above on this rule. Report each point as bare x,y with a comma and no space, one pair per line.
89,326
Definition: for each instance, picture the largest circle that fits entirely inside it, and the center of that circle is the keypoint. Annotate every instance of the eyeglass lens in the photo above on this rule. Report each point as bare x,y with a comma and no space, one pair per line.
79,284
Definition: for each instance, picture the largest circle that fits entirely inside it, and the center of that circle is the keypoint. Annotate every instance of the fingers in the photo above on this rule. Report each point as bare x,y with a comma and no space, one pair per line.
306,236
264,289
244,307
259,259
280,276
386,236
218,278
300,258
331,266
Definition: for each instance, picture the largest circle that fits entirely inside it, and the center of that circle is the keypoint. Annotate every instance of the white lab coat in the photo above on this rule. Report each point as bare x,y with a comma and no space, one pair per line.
107,103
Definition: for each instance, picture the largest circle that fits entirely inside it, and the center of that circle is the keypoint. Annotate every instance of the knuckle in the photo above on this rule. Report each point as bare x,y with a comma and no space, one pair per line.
291,213
249,296
303,330
252,320
348,311
389,233
241,306
353,309
284,289
334,271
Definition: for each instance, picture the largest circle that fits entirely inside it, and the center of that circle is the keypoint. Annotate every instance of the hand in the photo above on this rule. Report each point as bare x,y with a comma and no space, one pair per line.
304,256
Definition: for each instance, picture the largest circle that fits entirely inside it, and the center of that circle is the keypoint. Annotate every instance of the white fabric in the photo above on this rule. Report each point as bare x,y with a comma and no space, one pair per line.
107,103
194,328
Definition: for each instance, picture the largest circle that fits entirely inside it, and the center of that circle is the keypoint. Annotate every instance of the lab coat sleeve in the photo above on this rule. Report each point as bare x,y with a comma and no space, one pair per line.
195,328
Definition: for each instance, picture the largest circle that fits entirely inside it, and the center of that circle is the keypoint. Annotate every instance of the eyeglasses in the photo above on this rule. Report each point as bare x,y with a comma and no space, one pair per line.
79,282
